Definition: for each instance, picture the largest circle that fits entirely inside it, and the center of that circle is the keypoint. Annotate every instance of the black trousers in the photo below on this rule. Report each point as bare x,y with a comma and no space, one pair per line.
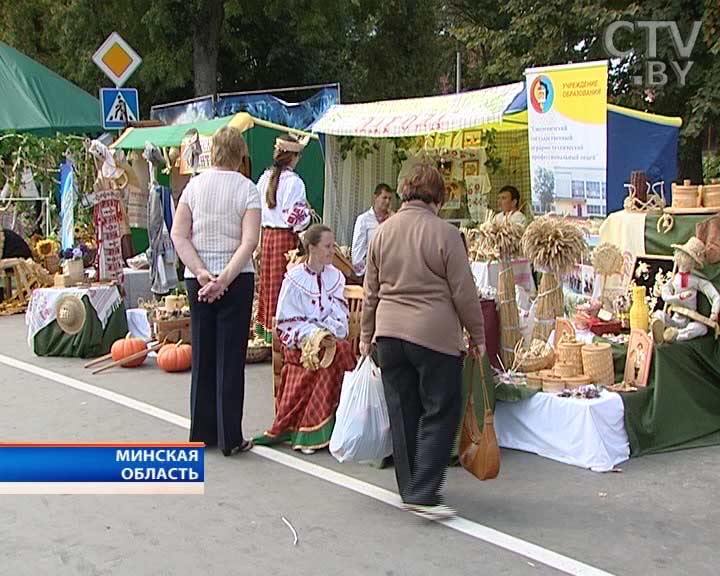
219,344
423,389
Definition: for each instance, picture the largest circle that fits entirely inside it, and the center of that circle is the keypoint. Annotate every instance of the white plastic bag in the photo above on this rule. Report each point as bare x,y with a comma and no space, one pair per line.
362,424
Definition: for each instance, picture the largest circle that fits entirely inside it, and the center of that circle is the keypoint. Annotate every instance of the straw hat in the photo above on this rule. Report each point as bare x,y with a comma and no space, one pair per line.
693,248
70,314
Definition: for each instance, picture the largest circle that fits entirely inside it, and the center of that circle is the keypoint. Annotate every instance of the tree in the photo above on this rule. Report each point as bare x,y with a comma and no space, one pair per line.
544,186
504,39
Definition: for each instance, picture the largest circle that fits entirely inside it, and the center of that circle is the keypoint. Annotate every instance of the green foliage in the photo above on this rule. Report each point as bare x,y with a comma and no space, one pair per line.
544,183
711,166
361,147
43,156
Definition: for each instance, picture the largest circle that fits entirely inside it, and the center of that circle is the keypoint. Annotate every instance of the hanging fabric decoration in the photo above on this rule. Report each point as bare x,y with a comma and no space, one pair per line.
107,218
67,202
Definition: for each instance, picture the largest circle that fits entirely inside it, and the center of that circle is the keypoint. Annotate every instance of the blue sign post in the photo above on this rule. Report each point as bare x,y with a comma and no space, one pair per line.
120,106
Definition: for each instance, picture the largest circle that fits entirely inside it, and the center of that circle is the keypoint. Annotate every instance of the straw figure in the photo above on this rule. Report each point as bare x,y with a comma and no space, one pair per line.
606,260
501,241
554,245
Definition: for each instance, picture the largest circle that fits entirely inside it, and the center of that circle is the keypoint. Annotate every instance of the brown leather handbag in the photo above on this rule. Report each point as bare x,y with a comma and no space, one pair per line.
479,452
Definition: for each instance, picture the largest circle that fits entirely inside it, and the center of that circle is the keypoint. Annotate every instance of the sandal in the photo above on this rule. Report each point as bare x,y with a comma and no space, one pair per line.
246,446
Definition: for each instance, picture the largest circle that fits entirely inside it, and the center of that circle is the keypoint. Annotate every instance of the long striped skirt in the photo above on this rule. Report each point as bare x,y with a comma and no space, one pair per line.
276,242
307,400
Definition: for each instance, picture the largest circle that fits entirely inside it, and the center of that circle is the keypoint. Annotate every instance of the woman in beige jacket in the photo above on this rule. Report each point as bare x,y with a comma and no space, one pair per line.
419,293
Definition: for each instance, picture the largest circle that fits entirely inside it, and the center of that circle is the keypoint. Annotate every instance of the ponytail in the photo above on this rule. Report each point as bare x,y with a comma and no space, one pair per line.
271,192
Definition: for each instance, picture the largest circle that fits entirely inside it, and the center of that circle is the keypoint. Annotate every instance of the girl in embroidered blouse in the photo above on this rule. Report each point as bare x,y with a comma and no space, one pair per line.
285,212
311,304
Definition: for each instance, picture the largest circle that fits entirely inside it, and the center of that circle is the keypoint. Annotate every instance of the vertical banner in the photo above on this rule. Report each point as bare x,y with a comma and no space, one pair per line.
67,204
567,132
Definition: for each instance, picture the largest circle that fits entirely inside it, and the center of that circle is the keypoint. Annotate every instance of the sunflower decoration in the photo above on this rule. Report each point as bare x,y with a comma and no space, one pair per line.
46,247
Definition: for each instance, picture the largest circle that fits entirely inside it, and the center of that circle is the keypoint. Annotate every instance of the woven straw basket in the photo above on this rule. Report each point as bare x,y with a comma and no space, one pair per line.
537,364
553,384
570,353
598,363
566,370
577,381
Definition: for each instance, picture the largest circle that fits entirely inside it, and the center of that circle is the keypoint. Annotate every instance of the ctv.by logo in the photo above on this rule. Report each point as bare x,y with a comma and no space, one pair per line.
656,70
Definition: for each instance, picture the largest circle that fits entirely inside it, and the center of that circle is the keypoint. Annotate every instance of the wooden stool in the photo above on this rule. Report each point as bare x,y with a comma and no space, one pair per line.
16,276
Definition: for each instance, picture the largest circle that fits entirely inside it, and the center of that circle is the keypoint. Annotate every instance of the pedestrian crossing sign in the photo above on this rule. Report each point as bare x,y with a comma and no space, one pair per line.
120,107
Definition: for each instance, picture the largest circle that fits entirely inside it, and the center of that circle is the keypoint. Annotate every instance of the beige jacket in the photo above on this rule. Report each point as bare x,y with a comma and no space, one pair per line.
418,283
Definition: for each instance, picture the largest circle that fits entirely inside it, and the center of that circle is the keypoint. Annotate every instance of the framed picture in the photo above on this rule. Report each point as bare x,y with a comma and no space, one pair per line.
638,359
651,271
471,168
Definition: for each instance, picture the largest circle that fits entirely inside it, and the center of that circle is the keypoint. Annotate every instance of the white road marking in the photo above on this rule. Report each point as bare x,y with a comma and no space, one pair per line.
486,534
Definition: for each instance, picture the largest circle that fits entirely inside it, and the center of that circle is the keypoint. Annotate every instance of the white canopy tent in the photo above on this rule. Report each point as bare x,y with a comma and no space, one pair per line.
350,177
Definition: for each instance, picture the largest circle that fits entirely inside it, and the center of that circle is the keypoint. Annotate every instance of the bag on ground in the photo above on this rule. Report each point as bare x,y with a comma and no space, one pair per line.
362,424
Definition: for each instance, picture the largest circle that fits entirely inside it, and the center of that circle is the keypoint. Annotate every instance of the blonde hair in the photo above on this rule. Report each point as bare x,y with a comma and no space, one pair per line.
229,149
281,160
424,183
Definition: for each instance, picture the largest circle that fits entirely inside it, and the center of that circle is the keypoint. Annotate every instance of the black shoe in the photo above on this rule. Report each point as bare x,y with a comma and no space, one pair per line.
244,447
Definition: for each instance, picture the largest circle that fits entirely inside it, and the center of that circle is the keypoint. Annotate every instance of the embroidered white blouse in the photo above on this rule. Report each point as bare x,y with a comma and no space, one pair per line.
292,209
309,301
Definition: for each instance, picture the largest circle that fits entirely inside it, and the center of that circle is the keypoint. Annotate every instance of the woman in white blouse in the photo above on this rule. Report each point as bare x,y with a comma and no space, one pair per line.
311,307
215,231
285,212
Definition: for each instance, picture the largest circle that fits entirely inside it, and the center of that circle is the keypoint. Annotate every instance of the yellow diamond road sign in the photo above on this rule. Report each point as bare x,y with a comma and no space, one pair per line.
117,59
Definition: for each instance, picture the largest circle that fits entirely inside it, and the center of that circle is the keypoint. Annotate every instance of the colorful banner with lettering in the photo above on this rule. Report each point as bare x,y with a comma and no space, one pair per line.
567,132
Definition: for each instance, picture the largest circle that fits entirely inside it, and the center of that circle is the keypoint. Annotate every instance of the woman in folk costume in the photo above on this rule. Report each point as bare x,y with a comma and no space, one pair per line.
285,212
312,322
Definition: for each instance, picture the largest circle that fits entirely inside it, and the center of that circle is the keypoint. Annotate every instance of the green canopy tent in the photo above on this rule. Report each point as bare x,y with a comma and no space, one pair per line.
37,100
260,136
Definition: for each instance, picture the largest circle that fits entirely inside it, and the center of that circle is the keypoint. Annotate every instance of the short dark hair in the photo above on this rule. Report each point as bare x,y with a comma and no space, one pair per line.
514,193
424,183
380,188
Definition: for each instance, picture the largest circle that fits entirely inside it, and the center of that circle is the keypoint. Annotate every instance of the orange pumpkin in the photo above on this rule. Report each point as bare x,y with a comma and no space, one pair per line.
175,357
127,347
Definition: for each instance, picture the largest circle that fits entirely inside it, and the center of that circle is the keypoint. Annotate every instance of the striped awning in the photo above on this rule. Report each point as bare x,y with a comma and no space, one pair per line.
416,116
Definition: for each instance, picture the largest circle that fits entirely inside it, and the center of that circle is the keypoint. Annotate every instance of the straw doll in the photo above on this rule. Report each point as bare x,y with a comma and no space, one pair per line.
681,294
554,245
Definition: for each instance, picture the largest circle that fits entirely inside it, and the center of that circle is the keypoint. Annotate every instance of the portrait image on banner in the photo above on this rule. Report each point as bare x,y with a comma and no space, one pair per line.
567,133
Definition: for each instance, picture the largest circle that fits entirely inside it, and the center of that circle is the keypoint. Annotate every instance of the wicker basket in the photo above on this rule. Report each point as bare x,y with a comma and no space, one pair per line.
685,195
534,380
711,195
566,370
577,381
570,353
598,363
258,354
536,364
553,385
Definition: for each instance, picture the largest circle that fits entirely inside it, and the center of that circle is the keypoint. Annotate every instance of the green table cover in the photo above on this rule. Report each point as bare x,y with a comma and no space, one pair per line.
90,342
680,408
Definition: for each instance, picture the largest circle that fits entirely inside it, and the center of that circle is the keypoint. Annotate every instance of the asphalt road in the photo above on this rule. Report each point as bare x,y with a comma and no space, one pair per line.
658,516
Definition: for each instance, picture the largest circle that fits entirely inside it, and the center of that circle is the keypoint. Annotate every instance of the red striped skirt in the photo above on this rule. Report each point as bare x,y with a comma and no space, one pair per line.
307,400
276,242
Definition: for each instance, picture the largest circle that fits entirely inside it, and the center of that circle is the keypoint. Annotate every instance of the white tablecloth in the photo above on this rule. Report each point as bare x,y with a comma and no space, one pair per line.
104,299
486,274
137,285
586,433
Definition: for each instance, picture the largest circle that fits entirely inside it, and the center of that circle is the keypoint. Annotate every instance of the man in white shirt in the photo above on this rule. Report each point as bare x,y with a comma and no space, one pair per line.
509,205
367,223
